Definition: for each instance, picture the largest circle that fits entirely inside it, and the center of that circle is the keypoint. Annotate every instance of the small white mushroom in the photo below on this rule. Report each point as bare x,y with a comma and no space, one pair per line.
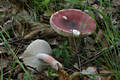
37,55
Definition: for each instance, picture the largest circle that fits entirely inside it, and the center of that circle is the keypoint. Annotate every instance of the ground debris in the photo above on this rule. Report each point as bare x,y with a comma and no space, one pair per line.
3,63
41,76
22,27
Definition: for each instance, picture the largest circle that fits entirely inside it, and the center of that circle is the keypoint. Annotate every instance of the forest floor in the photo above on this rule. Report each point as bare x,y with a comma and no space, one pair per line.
95,57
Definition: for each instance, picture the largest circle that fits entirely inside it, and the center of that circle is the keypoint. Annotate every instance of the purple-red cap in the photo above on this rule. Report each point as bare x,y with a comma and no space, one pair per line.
72,22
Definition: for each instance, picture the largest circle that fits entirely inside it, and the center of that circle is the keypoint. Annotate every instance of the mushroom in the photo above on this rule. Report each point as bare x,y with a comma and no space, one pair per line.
69,22
72,22
37,55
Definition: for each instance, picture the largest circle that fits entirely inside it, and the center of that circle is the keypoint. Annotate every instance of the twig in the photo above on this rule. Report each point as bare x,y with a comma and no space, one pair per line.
79,62
99,54
14,41
33,68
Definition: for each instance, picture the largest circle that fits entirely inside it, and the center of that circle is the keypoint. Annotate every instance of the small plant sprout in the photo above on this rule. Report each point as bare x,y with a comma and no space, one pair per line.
37,55
64,52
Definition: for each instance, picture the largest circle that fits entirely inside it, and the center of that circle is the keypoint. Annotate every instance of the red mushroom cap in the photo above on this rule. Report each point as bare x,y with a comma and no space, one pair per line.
69,22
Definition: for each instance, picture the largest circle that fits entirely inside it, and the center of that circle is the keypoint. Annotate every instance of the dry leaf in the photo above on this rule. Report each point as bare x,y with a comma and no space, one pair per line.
63,75
91,70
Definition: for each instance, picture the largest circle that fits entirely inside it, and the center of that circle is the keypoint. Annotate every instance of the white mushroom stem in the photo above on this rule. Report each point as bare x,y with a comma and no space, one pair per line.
76,32
50,60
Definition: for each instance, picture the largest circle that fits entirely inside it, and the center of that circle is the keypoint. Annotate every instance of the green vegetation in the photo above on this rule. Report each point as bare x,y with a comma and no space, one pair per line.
30,76
64,52
16,60
113,38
